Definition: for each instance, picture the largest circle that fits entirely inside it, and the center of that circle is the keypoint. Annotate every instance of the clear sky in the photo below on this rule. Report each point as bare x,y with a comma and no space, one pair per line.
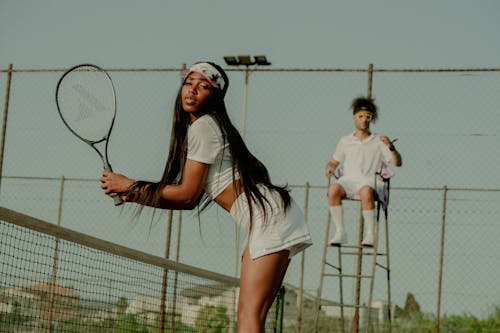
295,33
292,34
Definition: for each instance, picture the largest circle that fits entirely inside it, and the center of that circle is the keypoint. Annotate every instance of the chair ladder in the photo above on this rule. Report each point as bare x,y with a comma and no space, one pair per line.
359,251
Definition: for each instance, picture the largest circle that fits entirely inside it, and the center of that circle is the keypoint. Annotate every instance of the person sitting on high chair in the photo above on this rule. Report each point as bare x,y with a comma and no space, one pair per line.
362,155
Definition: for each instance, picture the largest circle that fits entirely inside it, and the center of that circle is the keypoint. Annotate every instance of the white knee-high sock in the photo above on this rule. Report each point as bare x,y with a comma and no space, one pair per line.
369,218
338,217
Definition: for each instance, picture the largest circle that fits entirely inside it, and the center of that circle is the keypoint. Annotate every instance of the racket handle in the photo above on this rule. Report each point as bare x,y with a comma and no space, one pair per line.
117,200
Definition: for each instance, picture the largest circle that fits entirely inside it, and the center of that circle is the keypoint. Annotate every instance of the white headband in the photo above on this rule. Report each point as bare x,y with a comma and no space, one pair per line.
209,72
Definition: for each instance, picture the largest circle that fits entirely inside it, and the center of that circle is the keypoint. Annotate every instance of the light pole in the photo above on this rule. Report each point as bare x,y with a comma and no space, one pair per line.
246,61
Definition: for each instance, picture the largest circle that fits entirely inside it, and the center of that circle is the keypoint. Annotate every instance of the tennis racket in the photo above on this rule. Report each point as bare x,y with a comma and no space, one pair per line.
86,102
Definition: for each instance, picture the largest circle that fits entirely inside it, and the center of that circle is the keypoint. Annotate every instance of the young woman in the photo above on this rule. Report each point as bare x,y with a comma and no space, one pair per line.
208,158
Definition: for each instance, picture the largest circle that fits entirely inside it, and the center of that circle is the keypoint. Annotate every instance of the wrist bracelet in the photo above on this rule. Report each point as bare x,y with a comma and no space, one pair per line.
135,188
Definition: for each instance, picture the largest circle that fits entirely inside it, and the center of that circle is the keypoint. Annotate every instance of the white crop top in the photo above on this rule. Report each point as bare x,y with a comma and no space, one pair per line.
206,145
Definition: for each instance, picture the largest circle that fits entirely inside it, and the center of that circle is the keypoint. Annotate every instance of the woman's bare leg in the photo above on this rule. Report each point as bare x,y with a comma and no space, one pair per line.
260,282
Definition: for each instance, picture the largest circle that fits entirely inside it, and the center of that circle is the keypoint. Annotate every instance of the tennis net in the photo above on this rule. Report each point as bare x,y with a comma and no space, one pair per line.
56,279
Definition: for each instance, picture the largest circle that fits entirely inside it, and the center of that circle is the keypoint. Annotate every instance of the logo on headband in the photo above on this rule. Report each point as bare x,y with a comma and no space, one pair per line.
210,72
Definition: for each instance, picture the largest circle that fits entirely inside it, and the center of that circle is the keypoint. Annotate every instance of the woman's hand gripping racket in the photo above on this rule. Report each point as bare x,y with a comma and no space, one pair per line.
86,102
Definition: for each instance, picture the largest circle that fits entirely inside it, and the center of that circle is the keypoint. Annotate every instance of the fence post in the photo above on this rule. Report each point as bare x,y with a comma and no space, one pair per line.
302,264
53,276
441,257
4,126
163,305
176,274
359,269
370,81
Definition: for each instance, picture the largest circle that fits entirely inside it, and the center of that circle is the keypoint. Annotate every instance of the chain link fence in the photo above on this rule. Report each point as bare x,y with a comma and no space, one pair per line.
445,120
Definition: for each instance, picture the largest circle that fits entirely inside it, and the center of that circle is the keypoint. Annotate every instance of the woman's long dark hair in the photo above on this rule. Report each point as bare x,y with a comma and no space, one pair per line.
252,172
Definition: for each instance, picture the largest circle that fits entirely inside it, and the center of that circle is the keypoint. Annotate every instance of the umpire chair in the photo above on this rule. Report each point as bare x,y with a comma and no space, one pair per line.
380,258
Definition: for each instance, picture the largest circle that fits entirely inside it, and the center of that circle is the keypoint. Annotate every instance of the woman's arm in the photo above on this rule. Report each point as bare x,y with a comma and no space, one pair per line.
186,194
172,196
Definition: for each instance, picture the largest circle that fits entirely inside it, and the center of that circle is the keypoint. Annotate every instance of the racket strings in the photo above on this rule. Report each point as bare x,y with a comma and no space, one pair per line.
86,102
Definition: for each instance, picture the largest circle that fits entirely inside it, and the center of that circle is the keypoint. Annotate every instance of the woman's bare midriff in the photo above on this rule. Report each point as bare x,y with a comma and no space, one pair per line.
230,193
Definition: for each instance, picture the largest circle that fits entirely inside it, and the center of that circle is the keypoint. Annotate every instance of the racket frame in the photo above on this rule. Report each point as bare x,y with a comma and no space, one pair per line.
104,157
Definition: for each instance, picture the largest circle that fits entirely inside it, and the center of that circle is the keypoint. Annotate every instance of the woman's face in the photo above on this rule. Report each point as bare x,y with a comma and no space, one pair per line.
195,92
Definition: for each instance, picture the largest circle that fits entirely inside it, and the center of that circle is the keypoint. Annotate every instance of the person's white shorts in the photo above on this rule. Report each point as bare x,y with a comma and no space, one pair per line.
353,185
279,231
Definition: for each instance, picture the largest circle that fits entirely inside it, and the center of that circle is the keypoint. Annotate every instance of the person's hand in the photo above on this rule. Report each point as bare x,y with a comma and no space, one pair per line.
114,184
329,170
387,141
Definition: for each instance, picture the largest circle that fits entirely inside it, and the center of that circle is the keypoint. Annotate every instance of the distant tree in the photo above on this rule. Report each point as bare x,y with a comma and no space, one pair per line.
492,323
469,323
128,324
411,308
462,323
121,305
411,305
178,325
212,319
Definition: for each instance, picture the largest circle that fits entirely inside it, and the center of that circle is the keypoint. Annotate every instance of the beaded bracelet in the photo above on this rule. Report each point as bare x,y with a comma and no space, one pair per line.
135,189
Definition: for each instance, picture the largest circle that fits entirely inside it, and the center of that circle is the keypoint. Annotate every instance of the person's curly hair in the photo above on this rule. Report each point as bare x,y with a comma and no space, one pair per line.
365,104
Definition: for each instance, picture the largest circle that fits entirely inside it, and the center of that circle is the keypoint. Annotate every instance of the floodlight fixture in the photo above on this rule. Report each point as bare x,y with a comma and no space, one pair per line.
261,60
231,61
245,60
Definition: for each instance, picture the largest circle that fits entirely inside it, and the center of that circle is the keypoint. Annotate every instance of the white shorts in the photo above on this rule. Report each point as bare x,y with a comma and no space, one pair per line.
280,231
353,185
